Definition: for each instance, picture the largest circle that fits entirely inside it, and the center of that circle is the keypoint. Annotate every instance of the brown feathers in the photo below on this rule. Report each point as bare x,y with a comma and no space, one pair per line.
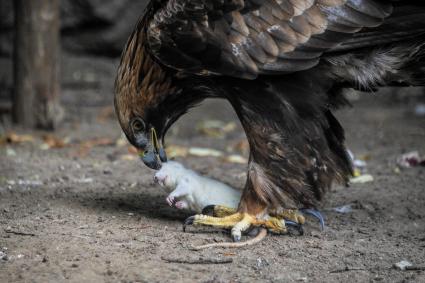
140,81
229,38
183,51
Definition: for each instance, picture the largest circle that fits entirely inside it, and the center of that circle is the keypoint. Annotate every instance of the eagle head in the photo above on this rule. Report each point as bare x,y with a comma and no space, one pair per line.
143,127
141,88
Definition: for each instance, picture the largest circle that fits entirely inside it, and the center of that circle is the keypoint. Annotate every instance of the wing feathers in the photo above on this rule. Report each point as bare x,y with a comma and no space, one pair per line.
371,8
268,43
284,33
300,6
244,38
239,24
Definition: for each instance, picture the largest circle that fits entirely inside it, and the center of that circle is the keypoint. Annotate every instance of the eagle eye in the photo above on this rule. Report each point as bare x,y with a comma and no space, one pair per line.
137,125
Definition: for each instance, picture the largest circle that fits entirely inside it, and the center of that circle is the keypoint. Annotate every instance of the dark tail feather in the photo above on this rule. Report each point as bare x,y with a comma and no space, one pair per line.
336,139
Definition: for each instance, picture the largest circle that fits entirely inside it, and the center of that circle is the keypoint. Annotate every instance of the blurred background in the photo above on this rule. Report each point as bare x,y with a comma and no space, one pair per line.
85,57
92,36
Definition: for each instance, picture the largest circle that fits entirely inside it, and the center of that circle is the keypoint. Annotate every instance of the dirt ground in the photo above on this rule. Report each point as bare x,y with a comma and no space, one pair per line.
97,217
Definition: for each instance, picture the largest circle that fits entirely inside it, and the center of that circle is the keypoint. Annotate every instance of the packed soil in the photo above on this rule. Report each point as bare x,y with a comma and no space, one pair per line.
75,214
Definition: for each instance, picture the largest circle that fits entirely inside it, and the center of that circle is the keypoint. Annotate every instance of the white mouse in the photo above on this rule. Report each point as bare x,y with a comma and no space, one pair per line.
191,191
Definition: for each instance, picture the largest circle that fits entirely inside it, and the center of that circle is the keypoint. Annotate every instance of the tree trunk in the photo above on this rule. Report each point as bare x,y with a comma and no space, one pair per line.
37,86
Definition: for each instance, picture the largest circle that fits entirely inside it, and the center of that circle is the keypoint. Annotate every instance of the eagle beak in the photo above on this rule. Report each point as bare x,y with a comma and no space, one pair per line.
153,158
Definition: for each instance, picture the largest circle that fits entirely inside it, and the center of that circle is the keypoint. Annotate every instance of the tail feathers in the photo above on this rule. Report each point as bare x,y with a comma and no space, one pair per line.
395,64
413,71
336,140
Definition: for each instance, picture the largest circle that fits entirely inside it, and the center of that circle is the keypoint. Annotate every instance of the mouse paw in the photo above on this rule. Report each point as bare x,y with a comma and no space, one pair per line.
180,205
170,200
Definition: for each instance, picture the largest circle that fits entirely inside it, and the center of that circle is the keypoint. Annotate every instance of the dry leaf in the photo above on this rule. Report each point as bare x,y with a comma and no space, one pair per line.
15,138
85,147
215,128
52,141
98,142
121,142
201,151
132,150
176,151
362,179
105,113
128,157
234,158
229,127
241,147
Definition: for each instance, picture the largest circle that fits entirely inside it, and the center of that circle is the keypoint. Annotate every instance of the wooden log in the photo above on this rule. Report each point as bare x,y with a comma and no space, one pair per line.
37,66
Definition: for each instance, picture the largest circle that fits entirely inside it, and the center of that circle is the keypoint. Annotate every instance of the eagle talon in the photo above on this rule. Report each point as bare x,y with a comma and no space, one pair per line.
208,210
238,222
236,238
218,211
297,226
189,221
316,214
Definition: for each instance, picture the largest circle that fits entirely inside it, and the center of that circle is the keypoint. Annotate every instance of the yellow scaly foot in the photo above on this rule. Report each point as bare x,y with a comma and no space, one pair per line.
237,222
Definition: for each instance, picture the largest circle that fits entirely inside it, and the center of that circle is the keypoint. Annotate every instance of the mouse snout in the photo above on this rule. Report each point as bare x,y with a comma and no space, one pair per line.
159,178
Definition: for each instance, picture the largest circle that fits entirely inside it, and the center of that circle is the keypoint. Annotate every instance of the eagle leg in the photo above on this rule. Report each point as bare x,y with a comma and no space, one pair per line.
238,222
218,210
220,222
292,215
241,222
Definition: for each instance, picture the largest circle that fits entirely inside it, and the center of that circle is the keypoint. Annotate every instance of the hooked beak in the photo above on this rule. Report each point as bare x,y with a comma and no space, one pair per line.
154,158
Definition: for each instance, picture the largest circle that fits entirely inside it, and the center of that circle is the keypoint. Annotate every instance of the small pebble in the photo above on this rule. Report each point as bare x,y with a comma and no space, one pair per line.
343,209
420,110
3,256
366,178
261,262
402,265
10,152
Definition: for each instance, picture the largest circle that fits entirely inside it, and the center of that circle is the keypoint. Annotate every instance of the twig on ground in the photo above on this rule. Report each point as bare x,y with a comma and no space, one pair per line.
260,236
413,267
85,237
346,269
199,260
10,231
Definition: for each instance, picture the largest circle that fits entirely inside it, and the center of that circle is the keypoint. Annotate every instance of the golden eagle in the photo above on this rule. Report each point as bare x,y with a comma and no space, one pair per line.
282,65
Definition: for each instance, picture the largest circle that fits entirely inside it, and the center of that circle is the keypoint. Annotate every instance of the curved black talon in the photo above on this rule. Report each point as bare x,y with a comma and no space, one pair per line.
208,210
296,225
236,238
252,231
315,213
188,221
